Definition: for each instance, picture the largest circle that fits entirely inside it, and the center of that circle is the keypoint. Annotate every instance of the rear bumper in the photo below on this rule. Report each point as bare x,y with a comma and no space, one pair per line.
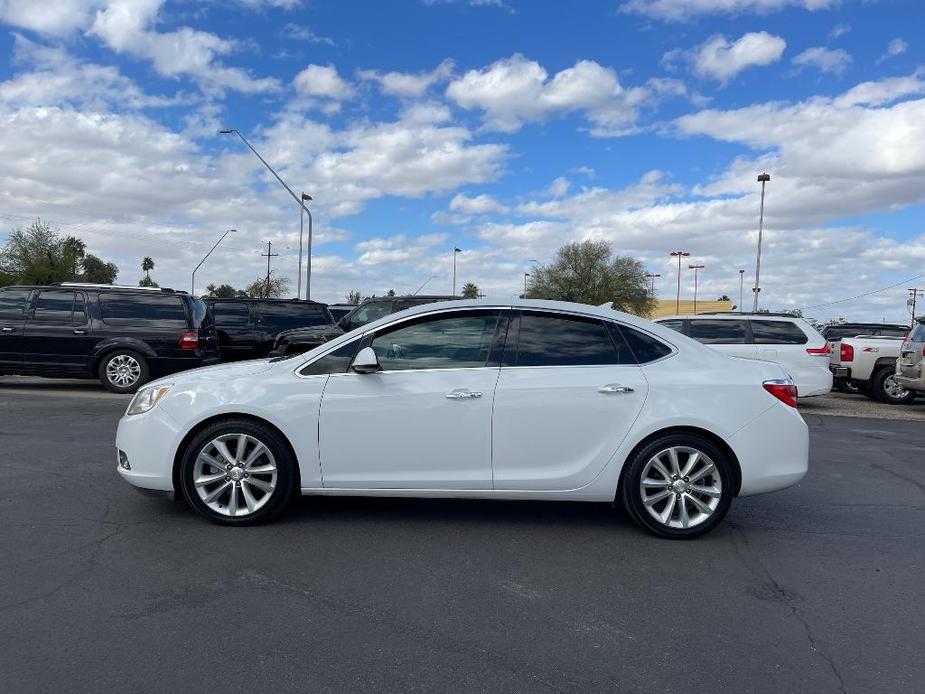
839,371
812,380
773,450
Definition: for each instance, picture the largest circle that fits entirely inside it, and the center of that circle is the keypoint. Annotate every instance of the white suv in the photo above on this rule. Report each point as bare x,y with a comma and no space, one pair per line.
791,342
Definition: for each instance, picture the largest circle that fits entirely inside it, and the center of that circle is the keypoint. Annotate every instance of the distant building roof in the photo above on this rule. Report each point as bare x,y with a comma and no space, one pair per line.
668,307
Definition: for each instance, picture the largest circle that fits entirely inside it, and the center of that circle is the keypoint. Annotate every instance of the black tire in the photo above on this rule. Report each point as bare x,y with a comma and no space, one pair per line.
120,364
847,385
284,484
631,493
884,389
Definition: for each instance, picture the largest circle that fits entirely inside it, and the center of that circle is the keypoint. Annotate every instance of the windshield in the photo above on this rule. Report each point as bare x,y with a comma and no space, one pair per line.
365,313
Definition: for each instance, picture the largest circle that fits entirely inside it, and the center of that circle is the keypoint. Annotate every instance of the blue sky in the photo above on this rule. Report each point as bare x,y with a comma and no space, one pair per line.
504,128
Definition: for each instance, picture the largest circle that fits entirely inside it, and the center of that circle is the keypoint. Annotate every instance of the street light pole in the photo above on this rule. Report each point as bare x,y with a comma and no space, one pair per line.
695,268
762,179
455,252
741,289
304,209
677,302
308,277
526,275
192,288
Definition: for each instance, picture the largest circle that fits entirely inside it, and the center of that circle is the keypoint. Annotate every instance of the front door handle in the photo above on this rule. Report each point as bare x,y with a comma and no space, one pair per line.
80,331
463,394
614,388
7,329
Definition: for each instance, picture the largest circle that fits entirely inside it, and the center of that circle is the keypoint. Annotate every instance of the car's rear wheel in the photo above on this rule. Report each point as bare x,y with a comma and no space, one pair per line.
238,472
884,388
124,371
678,486
847,385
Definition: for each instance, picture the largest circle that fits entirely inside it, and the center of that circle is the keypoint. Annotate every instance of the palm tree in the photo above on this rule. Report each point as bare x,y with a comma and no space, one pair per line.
147,265
470,290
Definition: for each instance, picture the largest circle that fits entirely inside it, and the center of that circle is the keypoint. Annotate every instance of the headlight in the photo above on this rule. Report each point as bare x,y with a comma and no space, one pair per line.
146,398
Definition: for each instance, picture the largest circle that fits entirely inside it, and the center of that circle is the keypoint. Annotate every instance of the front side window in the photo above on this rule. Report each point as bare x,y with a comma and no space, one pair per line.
718,332
546,340
56,306
768,332
455,341
13,303
336,362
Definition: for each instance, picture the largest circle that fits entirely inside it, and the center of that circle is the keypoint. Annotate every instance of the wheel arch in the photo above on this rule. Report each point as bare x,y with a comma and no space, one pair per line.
110,345
715,439
199,426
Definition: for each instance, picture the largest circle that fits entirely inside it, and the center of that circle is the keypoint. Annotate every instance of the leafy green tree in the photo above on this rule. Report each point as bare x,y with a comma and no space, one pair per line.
225,291
353,297
724,298
147,264
147,282
273,287
587,272
470,290
391,292
98,271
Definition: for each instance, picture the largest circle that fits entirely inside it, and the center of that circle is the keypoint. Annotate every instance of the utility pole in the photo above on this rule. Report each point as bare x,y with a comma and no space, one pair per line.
651,276
762,179
679,255
914,293
269,254
695,268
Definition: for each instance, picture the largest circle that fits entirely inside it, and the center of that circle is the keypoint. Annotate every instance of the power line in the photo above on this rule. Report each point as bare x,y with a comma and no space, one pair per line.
861,296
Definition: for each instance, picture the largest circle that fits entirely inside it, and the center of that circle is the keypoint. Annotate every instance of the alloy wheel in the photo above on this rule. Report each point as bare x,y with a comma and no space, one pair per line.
123,370
680,487
893,390
235,475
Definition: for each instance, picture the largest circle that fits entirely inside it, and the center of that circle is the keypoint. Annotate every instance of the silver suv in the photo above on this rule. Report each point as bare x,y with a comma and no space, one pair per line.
910,373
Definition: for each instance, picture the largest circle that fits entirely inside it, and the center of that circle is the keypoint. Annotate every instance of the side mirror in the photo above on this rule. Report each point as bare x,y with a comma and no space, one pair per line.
366,361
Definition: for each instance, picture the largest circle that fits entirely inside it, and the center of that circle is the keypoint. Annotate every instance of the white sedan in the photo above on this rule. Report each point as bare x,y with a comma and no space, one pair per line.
519,400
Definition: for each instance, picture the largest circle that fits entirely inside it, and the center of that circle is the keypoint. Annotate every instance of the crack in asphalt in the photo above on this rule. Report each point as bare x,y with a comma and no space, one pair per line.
910,480
781,595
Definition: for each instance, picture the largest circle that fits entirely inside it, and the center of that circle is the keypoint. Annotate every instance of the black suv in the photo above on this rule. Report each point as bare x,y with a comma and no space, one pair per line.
122,335
247,328
297,341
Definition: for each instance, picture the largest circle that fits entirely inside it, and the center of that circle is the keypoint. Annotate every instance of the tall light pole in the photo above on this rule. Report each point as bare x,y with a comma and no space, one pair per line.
762,179
652,276
695,268
308,282
230,131
679,255
192,288
456,251
526,275
741,289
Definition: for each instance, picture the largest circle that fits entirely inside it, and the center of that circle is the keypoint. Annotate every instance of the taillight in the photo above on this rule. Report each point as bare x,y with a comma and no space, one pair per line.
846,352
189,339
783,390
819,351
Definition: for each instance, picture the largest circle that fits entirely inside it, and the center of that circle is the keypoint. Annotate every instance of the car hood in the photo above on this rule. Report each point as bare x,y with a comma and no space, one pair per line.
219,372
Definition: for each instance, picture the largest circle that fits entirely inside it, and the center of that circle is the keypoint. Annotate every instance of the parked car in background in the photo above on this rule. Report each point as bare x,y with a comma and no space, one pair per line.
517,400
247,328
870,362
338,311
301,340
791,342
122,335
834,334
909,367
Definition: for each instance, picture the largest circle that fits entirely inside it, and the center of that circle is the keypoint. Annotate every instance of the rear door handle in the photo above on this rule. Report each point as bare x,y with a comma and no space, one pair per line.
80,331
7,329
463,394
614,388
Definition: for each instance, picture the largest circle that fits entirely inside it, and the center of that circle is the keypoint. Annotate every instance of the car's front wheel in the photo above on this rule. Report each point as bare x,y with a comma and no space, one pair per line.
678,486
238,472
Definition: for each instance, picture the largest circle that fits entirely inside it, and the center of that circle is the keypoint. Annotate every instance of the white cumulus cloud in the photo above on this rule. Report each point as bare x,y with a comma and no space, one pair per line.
721,60
825,59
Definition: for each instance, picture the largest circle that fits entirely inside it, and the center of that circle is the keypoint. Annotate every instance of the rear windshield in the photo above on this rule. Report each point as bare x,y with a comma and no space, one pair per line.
143,309
918,333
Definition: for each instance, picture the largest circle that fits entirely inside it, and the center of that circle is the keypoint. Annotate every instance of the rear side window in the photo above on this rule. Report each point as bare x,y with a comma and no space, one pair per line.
718,332
769,332
143,310
676,325
13,303
58,306
231,314
278,317
645,347
567,341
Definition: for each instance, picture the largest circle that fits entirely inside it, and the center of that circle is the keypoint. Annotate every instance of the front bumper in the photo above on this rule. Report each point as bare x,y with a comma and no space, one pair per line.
149,442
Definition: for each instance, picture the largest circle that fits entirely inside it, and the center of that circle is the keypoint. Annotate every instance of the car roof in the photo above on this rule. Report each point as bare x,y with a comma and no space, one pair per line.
245,299
84,286
733,316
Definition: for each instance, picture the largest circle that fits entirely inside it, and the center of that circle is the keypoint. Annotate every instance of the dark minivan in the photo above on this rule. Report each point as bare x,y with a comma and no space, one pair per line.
125,336
247,328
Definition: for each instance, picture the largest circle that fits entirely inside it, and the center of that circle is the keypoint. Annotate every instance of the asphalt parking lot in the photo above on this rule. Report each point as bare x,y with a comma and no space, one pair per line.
818,588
